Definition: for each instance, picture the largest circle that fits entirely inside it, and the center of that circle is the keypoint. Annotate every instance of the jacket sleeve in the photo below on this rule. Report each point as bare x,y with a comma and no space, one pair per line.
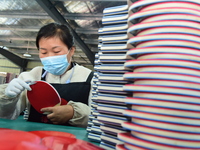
81,114
10,108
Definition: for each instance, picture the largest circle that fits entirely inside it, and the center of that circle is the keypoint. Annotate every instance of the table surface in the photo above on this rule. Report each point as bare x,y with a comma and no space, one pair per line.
23,125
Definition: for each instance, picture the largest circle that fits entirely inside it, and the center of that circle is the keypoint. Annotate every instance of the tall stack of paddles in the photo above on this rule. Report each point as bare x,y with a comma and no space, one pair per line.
147,77
109,69
93,128
165,101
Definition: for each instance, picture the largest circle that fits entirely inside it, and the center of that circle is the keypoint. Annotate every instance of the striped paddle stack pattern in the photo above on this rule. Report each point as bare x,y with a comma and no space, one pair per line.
146,91
108,95
165,101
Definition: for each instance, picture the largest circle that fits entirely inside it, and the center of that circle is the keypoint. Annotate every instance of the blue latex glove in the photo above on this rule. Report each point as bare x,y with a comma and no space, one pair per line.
15,87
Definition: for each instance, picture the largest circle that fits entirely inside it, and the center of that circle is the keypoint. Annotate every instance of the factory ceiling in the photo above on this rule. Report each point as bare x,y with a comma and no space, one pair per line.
20,21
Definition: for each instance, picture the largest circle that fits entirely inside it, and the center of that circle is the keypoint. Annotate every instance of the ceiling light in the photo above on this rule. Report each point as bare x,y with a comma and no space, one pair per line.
27,54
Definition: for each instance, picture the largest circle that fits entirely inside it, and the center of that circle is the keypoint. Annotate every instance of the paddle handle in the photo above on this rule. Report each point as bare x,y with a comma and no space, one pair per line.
46,113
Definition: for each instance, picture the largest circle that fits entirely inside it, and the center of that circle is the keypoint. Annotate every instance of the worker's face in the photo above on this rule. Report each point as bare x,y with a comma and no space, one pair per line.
54,46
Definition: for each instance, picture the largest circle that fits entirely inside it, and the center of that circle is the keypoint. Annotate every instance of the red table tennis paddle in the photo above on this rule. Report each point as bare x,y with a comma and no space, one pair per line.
43,134
10,139
30,146
43,95
67,143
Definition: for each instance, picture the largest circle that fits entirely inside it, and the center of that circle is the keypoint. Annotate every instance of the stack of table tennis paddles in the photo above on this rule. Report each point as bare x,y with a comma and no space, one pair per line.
159,77
166,73
94,131
108,94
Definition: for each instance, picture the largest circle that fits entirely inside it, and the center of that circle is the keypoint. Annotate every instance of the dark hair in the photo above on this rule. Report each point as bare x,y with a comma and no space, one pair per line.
56,30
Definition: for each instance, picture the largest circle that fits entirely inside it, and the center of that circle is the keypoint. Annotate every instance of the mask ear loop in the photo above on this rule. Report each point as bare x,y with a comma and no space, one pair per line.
68,80
72,58
68,53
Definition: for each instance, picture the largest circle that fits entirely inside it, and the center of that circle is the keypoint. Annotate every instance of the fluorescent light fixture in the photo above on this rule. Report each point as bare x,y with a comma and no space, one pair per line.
27,55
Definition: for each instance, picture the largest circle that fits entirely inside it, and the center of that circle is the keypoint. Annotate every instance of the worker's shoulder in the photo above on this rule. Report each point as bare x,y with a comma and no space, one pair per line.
34,71
82,68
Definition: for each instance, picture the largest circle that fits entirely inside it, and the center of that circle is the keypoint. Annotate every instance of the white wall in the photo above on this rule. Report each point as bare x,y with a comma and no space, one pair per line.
7,66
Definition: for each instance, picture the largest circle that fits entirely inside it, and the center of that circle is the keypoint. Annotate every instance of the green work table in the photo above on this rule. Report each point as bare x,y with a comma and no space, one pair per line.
23,125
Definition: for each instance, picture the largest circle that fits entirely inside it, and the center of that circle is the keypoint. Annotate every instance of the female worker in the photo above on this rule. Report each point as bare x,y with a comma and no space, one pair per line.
72,81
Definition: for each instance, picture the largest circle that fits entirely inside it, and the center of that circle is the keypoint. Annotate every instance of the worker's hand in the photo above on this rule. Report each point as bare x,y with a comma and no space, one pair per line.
59,114
15,87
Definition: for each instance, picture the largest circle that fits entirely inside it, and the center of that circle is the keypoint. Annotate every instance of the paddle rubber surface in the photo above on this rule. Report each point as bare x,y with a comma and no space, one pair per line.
43,95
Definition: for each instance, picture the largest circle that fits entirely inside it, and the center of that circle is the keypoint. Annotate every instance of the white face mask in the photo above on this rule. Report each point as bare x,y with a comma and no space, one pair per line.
56,65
